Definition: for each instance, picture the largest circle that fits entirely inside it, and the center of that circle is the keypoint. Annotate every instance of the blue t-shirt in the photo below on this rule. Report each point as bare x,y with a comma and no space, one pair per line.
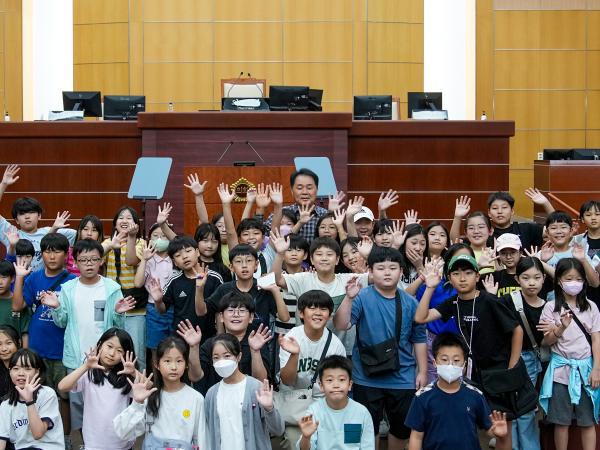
376,317
45,337
449,421
442,293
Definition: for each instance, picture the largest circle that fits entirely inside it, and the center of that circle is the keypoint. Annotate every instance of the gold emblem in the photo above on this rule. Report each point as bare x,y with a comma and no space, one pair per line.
186,413
240,189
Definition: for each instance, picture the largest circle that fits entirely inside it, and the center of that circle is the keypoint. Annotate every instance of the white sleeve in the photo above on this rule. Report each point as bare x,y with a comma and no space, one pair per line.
336,347
295,283
47,405
130,423
5,416
200,431
69,234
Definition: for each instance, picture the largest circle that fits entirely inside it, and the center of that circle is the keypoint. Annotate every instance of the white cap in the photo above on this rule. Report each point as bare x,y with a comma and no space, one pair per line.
508,240
364,213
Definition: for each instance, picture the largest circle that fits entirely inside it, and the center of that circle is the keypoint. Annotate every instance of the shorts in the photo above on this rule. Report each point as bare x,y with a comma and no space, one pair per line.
395,403
158,326
76,407
55,371
562,412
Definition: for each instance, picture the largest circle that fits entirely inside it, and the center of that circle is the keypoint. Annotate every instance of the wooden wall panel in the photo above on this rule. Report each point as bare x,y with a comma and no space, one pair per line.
179,50
11,59
100,43
538,62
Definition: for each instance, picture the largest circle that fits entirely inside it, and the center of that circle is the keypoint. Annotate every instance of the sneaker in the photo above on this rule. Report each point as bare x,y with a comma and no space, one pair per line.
384,428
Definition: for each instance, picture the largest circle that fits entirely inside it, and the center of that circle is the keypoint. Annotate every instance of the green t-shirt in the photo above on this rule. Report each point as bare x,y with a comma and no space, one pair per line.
20,321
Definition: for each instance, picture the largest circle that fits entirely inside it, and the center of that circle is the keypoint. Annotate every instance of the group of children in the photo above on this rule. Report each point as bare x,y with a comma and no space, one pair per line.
311,328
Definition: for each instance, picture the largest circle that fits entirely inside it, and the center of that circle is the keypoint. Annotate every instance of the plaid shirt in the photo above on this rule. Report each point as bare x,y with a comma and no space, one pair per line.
308,229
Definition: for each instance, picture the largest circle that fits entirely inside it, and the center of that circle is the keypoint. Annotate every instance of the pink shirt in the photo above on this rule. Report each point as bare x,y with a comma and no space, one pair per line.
157,267
573,343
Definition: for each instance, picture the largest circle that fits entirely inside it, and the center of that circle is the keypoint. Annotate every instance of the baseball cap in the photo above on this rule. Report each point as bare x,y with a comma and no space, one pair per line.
508,240
468,259
364,213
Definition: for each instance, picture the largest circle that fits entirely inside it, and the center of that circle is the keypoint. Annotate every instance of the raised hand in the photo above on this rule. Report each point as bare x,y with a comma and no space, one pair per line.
251,195
490,285
463,206
365,246
201,273
115,243
262,196
225,194
398,234
579,252
28,390
50,299
354,205
432,273
532,251
10,174
547,251
499,426
258,338
289,344
125,304
61,220
276,194
339,215
487,258
264,396
12,236
21,268
92,360
387,199
128,364
195,185
188,333
280,243
353,287
155,288
411,216
305,213
148,250
308,426
141,387
536,196
163,213
132,229
336,201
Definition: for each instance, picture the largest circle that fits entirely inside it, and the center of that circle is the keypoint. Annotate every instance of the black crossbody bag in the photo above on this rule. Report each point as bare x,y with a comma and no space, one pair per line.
382,359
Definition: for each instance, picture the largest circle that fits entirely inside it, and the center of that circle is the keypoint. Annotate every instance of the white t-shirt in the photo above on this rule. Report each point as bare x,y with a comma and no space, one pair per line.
181,417
299,283
230,399
309,357
14,422
90,301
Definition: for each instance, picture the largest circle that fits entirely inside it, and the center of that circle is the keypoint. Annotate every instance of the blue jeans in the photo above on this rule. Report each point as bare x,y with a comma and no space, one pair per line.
525,431
136,327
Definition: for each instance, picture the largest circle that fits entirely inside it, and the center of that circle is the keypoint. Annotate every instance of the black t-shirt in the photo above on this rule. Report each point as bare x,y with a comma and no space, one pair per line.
211,377
264,302
221,269
180,293
530,234
492,324
532,315
507,283
593,293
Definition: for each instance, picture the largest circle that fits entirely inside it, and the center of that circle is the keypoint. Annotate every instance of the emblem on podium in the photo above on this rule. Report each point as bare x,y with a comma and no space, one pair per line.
240,189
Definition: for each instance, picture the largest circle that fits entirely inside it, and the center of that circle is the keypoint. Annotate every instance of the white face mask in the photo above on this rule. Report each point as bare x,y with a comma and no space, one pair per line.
225,367
449,373
572,287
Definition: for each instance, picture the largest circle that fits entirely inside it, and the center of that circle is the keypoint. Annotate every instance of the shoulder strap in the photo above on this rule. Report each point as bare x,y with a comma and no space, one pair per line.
117,253
579,324
323,354
518,301
59,280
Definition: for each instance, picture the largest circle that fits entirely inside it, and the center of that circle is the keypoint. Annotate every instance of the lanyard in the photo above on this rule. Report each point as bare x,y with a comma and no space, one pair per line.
470,342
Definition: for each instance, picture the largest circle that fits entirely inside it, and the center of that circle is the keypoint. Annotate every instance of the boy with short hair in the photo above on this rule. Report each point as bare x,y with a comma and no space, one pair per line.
303,346
236,313
27,212
589,214
501,211
559,227
19,320
324,255
445,415
180,291
327,417
385,380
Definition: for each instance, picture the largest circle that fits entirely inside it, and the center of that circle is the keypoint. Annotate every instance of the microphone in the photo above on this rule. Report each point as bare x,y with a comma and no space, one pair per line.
262,94
234,83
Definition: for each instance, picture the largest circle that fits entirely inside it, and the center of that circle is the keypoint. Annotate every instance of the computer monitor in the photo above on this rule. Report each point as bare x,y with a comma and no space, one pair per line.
123,107
315,98
572,154
86,101
288,98
424,100
373,107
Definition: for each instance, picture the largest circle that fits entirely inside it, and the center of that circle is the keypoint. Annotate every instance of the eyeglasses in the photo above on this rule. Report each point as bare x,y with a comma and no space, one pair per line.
237,311
88,261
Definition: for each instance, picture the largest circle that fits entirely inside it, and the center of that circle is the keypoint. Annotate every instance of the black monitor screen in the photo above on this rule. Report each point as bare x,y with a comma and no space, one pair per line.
572,153
424,100
288,98
123,107
86,101
373,107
